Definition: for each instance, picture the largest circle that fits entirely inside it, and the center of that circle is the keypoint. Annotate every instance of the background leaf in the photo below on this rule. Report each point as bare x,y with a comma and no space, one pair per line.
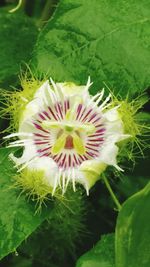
18,35
108,40
17,215
102,255
133,231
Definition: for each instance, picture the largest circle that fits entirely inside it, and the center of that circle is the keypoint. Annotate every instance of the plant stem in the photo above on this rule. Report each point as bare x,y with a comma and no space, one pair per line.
112,193
47,12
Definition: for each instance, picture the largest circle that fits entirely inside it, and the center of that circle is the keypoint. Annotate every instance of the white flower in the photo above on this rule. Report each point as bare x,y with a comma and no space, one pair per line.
68,134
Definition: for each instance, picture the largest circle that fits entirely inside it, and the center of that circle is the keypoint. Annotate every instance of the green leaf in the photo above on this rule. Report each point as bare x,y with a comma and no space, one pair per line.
133,231
108,40
102,255
17,215
18,35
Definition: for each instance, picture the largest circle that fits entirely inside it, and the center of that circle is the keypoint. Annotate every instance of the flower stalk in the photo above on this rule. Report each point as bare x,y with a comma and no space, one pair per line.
116,201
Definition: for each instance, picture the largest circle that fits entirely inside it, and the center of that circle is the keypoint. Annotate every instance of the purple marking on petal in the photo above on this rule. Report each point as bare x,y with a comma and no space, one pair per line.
102,130
68,104
41,116
41,135
75,159
42,139
91,154
51,111
46,114
79,160
57,112
37,126
83,158
65,165
95,140
69,161
63,161
94,135
86,115
82,114
91,148
60,110
43,150
58,158
78,111
95,145
98,125
98,119
45,155
41,143
92,117
65,106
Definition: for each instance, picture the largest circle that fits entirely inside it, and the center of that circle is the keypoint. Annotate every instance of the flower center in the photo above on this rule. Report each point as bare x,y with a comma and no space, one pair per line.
69,136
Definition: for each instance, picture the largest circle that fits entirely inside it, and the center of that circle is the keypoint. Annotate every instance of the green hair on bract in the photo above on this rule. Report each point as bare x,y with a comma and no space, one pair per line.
14,102
135,126
33,184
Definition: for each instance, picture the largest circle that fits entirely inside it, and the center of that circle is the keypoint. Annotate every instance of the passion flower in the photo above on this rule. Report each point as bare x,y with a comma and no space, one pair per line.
68,135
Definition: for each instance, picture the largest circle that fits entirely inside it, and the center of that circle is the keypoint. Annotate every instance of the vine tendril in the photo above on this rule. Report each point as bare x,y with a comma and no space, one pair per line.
17,7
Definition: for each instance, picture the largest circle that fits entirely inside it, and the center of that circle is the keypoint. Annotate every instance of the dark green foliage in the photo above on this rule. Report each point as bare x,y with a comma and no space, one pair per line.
101,255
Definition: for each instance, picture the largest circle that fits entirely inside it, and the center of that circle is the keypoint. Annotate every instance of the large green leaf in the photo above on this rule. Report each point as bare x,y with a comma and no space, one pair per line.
17,37
108,40
133,231
17,215
102,255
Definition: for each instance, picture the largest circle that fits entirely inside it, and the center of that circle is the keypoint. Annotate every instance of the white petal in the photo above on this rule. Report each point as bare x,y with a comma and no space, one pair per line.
114,126
109,153
112,114
29,153
40,93
40,100
115,131
71,89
